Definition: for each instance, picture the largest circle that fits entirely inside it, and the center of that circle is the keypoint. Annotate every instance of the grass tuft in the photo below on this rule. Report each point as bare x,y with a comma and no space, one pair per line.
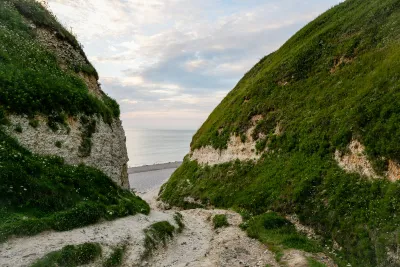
116,258
178,218
71,256
220,221
155,235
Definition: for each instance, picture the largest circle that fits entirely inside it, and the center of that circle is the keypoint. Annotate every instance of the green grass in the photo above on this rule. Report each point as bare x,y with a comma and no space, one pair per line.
321,103
178,218
116,257
278,233
42,193
155,235
220,221
314,263
31,79
71,256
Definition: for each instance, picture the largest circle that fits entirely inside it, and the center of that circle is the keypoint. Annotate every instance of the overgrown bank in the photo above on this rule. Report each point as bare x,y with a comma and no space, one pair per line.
41,193
335,81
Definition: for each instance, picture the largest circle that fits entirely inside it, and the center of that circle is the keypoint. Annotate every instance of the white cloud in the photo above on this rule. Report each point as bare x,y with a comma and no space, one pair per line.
174,59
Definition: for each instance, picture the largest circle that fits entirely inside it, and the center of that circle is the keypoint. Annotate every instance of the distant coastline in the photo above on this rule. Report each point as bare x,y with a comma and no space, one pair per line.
155,167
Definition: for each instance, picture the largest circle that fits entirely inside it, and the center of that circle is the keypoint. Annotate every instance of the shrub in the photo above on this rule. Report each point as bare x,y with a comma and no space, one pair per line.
34,123
179,221
71,256
155,235
220,220
116,258
58,144
18,128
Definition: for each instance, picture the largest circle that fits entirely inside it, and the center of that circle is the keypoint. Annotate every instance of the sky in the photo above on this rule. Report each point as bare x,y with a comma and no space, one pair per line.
169,63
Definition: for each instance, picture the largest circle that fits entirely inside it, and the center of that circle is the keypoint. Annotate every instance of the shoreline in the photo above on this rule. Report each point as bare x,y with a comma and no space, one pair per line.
154,167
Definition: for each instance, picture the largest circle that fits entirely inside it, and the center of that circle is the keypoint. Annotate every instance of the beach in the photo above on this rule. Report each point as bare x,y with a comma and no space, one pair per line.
146,178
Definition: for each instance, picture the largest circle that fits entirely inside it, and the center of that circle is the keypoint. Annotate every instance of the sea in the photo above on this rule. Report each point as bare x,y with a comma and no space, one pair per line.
148,147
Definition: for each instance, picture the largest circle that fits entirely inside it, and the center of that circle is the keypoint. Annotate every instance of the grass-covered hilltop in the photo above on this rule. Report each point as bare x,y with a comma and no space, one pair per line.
314,130
51,103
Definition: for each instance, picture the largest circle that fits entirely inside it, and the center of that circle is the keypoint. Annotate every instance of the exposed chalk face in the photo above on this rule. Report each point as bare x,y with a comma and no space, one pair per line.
356,160
236,149
108,151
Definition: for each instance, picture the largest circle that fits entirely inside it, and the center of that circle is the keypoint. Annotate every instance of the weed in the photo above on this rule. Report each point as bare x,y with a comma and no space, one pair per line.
220,220
88,129
71,256
179,221
155,235
314,263
58,144
116,257
18,128
34,123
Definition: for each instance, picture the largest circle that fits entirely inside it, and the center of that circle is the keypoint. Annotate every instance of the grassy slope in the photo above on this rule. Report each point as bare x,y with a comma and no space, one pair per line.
31,80
41,193
320,111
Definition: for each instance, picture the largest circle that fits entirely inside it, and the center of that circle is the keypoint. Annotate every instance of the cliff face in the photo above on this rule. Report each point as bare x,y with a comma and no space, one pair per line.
100,136
107,151
312,129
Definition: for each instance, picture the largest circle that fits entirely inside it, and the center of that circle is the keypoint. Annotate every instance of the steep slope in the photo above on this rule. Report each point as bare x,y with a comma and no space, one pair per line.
312,129
62,147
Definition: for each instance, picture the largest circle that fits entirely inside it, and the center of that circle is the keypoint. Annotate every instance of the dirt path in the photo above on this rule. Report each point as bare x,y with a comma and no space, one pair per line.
24,251
200,245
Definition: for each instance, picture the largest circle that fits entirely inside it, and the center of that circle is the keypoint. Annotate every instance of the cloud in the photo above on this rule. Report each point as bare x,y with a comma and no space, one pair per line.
172,60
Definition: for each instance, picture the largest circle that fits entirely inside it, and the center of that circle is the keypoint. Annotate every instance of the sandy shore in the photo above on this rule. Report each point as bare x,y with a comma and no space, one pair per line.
155,167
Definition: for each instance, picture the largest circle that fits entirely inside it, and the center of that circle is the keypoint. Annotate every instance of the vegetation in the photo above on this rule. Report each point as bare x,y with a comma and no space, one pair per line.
34,123
278,233
178,218
58,144
314,263
220,220
31,79
18,128
88,129
71,256
156,234
116,257
336,80
41,193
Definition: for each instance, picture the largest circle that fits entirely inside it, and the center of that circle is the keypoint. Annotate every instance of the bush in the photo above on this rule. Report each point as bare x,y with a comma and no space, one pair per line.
179,221
116,258
58,144
34,123
220,220
71,256
18,128
155,235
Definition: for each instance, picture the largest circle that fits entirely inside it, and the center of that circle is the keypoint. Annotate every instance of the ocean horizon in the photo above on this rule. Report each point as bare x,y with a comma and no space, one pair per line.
156,146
